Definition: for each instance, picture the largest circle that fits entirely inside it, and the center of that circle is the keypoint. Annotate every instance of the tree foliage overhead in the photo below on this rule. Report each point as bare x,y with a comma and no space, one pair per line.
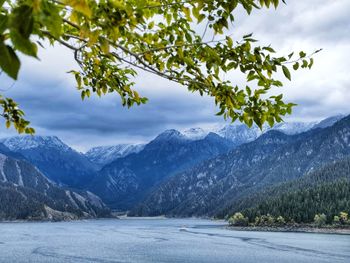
111,39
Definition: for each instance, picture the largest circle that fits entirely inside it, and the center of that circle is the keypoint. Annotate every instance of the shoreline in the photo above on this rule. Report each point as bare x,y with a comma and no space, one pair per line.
292,229
287,228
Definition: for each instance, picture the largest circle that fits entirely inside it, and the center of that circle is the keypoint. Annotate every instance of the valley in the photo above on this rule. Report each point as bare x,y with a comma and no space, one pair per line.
197,172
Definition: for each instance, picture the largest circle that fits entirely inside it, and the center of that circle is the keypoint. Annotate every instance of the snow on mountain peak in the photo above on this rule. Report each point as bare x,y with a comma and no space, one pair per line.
329,121
29,142
106,154
170,135
239,133
195,133
291,128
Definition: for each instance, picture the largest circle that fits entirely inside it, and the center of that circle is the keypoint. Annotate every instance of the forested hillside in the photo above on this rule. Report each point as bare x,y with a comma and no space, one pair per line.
326,191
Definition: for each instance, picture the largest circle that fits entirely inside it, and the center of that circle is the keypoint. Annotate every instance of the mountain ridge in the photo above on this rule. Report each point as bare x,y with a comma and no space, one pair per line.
246,169
124,182
55,159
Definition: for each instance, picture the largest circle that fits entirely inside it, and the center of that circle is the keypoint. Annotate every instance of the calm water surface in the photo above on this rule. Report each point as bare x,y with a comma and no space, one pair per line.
162,240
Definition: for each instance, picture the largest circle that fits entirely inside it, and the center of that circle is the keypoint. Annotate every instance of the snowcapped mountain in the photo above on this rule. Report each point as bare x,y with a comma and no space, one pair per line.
19,143
25,193
212,186
237,133
55,159
170,135
103,155
125,181
291,128
240,133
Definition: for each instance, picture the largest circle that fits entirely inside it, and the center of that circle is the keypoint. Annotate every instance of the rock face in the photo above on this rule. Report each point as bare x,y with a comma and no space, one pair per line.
124,182
25,193
56,160
103,155
273,158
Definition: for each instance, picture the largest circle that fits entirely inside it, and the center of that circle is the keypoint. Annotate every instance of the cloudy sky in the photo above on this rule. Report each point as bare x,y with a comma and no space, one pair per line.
47,93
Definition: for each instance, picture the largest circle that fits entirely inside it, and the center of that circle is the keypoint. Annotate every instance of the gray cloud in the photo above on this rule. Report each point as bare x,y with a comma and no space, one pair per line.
48,96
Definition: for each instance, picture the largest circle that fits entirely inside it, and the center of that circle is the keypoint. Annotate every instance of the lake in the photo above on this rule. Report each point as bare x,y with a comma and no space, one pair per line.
162,240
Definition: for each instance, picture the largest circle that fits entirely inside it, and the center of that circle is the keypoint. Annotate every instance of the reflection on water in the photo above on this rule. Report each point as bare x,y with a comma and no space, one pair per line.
162,240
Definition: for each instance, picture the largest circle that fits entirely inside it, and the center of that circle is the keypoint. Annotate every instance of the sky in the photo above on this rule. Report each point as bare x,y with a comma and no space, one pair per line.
48,96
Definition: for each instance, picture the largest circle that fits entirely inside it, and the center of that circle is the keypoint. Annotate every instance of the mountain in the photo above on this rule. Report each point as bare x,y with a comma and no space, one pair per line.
103,155
328,121
124,182
55,159
274,157
195,133
25,193
292,128
240,133
326,190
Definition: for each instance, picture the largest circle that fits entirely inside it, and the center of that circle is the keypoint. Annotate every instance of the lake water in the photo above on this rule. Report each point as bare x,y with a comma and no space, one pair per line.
162,240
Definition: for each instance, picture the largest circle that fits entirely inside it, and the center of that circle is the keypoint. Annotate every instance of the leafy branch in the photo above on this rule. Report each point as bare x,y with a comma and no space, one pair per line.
111,39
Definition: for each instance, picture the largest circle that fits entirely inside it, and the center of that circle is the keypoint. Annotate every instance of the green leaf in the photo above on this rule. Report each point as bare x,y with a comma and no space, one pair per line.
168,18
82,95
80,6
22,20
51,18
201,18
3,23
21,27
229,41
311,63
286,72
248,36
187,13
296,66
9,61
24,45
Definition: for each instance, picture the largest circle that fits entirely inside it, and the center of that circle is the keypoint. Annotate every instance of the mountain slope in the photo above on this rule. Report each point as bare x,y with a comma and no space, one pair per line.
55,159
326,190
124,182
103,155
328,121
25,193
273,158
